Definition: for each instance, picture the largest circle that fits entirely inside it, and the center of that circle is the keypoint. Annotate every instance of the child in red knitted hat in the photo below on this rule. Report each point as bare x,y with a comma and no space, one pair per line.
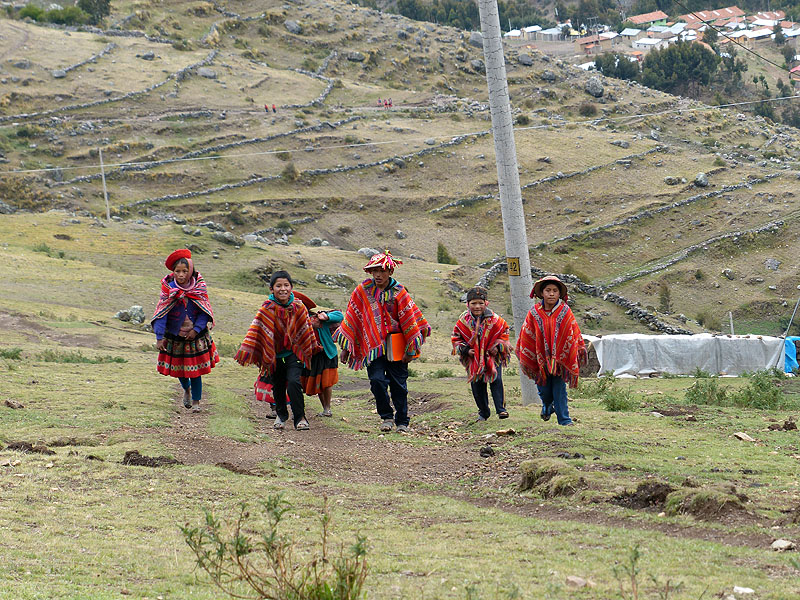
181,323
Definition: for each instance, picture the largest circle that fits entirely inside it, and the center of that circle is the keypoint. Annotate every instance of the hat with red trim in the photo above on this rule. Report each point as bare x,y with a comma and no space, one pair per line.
539,286
383,260
176,256
309,303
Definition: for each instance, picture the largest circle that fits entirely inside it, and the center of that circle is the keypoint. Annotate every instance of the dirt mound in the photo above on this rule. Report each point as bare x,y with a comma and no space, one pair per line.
677,411
648,494
28,447
705,503
550,477
133,458
235,468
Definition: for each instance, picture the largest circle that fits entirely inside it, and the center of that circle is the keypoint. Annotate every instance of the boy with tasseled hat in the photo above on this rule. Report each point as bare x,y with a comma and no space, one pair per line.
383,330
550,347
480,339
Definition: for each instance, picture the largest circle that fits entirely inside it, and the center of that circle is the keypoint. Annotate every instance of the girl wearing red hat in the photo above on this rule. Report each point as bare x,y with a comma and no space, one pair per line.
181,323
550,347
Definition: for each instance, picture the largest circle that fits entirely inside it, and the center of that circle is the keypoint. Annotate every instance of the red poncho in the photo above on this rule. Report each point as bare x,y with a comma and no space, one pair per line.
276,328
366,323
550,344
170,296
481,335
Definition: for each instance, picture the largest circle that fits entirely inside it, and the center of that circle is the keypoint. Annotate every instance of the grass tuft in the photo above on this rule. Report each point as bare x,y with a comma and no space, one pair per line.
76,356
11,353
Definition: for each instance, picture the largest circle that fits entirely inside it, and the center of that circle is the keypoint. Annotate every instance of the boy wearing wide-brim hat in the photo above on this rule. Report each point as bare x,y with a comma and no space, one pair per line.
383,330
550,347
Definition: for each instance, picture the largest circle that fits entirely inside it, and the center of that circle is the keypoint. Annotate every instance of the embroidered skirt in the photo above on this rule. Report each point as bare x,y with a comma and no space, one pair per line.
324,373
188,358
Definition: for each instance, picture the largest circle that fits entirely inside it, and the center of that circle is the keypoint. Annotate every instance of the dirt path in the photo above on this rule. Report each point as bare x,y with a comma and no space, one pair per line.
454,468
19,31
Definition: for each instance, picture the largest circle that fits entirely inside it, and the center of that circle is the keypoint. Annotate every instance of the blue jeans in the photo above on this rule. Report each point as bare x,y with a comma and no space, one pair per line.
482,398
384,376
554,398
196,383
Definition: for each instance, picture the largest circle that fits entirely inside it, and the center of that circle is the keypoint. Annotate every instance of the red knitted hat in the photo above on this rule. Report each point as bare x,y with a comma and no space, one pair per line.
383,260
177,255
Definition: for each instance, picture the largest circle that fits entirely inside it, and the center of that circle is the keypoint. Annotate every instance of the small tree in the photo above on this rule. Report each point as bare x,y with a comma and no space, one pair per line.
664,298
96,9
780,39
710,35
443,256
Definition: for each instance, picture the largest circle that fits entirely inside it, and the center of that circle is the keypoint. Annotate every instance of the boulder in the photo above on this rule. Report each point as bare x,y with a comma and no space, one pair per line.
356,56
293,27
315,242
59,74
477,65
476,39
701,180
368,252
594,87
400,235
783,545
525,60
135,315
548,76
21,64
670,180
402,34
621,143
430,142
6,209
207,73
728,274
149,55
772,264
226,237
340,280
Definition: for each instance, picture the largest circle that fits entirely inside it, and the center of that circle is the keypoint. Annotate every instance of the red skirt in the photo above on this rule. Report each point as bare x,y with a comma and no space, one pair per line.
188,358
324,373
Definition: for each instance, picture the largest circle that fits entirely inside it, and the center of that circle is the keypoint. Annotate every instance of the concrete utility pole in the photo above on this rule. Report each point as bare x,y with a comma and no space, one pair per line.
517,258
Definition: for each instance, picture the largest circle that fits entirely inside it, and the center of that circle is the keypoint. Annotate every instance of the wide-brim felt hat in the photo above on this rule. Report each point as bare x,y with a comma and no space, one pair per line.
539,285
308,302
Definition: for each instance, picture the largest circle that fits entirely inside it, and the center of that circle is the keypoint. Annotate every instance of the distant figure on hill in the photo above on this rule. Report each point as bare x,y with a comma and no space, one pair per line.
281,342
390,103
380,102
180,322
550,347
383,330
266,108
274,109
385,104
480,339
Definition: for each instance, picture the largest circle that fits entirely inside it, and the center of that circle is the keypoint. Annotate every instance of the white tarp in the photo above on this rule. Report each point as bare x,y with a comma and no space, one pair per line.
637,354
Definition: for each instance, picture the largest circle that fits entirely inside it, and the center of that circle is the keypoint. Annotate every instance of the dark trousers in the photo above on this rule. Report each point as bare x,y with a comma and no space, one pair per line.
482,398
286,379
385,375
196,383
554,399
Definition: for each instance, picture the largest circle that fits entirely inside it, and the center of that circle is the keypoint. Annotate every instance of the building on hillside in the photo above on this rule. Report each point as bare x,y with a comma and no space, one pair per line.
657,17
773,15
554,34
794,74
712,16
760,35
514,34
659,31
530,31
629,34
647,44
637,55
593,44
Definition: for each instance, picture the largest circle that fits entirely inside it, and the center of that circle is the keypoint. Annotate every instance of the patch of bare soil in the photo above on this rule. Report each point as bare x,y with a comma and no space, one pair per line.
134,459
28,447
649,494
455,469
35,331
678,411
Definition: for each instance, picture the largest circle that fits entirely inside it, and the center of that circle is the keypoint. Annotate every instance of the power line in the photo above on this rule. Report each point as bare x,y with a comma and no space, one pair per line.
594,121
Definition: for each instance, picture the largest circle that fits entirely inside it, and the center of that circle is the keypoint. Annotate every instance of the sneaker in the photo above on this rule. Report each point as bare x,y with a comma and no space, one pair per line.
403,429
271,414
187,398
503,414
387,425
302,425
196,406
545,414
482,418
279,424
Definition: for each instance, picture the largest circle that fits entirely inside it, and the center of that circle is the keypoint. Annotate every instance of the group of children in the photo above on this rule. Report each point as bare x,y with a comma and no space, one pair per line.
293,342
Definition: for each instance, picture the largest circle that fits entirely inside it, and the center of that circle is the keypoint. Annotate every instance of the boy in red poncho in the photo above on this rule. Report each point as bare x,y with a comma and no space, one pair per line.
550,347
383,330
480,339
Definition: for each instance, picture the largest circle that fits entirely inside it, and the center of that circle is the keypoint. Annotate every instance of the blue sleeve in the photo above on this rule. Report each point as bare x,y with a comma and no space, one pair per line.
335,317
160,326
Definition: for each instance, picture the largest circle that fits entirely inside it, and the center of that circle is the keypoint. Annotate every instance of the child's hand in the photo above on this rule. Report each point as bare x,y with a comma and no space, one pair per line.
493,352
191,335
161,344
322,316
471,352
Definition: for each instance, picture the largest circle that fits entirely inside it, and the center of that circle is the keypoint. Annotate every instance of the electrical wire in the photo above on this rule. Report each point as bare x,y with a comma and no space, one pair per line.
594,121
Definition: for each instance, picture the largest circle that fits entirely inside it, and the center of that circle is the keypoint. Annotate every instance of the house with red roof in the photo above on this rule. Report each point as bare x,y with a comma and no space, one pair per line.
657,17
712,16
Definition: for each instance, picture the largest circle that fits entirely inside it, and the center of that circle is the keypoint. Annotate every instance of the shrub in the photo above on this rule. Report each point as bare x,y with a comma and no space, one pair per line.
664,298
77,356
283,155
570,269
587,109
290,172
270,563
443,256
698,373
31,10
761,392
708,392
69,15
705,319
617,399
11,353
523,120
442,373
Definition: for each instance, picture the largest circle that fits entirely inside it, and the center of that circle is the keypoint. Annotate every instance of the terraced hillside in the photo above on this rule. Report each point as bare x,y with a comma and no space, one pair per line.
174,96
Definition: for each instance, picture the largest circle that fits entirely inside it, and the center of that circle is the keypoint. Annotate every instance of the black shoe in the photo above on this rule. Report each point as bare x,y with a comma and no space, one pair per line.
545,414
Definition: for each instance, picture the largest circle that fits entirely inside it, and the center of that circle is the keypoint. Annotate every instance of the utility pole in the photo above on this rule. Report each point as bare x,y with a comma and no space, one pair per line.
105,190
516,237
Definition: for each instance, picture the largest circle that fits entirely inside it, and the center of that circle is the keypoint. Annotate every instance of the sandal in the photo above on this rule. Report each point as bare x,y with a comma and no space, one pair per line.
325,413
502,415
187,399
271,414
302,425
279,424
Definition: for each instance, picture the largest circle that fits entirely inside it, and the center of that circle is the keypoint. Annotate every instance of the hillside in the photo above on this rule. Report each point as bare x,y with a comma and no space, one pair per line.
184,133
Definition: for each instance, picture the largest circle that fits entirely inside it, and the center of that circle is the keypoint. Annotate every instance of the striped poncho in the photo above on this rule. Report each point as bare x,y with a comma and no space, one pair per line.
275,328
551,344
170,296
367,324
481,334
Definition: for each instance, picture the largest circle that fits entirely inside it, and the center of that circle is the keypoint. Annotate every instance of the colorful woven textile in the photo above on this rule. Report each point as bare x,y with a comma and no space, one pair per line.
550,344
274,328
172,295
367,323
383,260
187,358
481,334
